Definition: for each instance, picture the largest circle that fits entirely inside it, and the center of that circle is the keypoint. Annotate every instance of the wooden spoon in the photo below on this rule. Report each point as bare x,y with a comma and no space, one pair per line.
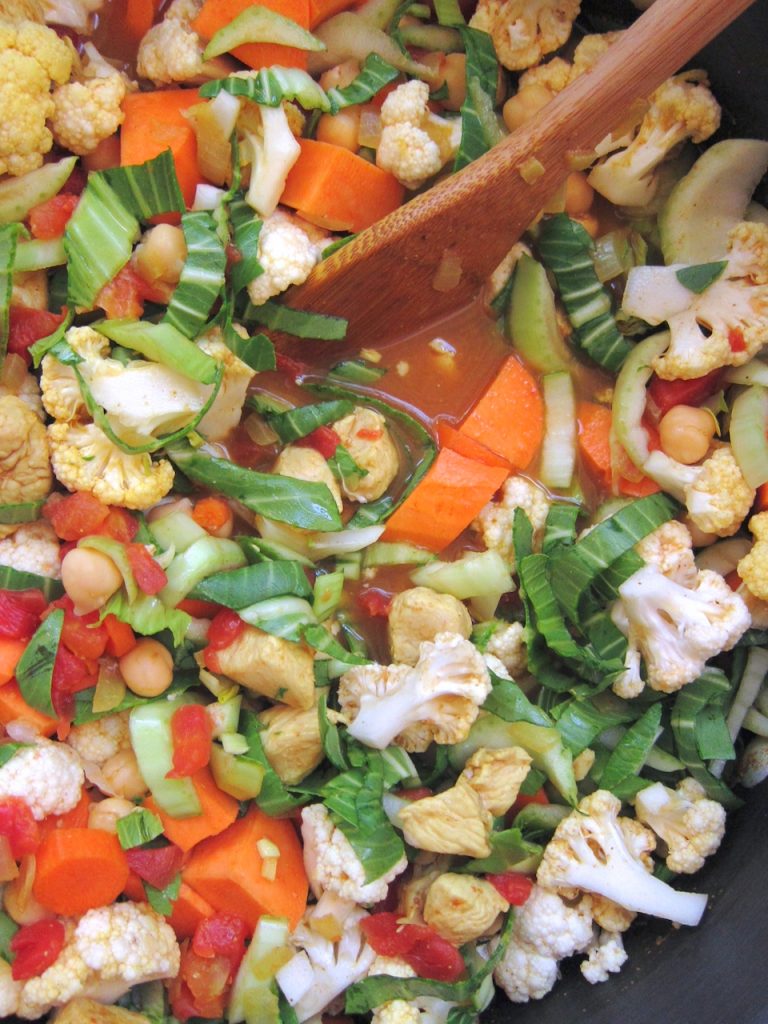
382,281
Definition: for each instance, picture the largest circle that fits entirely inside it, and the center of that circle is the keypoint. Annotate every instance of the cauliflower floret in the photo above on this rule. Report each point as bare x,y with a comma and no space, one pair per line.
32,547
291,741
681,108
109,950
523,31
365,436
269,665
669,548
725,325
25,10
272,150
172,51
558,73
753,567
546,923
691,825
507,643
84,459
61,392
286,253
98,741
419,614
436,700
325,965
47,776
462,908
525,974
25,470
455,821
307,464
496,776
415,144
227,408
32,59
10,991
606,955
75,14
396,1011
85,113
677,629
422,1010
494,523
590,851
332,863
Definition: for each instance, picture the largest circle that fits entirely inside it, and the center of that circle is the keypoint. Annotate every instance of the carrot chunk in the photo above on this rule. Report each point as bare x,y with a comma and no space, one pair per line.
215,14
79,869
218,811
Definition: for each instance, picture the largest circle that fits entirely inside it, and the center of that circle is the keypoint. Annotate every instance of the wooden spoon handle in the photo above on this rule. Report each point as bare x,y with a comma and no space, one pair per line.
382,280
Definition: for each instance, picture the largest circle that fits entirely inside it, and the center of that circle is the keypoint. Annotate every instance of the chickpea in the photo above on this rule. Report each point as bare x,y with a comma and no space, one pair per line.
524,105
700,538
19,901
105,814
579,194
121,773
147,668
340,129
341,75
685,433
161,254
90,578
450,70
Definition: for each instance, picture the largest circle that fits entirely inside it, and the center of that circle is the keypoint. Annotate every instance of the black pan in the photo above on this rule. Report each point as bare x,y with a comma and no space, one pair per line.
716,973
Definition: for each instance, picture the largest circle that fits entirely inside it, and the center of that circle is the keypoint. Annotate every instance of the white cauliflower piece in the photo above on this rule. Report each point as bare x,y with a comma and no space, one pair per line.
436,700
669,548
61,392
494,524
10,991
325,966
725,325
84,459
691,825
272,150
547,924
419,614
33,547
307,464
75,14
606,955
365,435
590,851
172,51
753,567
286,253
98,741
396,1011
87,112
47,776
227,408
507,643
524,31
415,144
681,108
332,863
525,974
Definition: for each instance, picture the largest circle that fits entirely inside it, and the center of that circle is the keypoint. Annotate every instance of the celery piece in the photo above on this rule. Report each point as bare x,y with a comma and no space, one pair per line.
225,715
254,997
238,776
629,397
19,195
177,530
558,450
396,553
257,24
24,512
150,729
39,254
749,415
531,320
16,579
327,594
201,559
473,575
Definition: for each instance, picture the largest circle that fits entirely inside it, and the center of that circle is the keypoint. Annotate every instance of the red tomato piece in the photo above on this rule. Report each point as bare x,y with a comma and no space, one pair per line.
192,732
513,886
207,979
26,326
20,613
120,636
159,867
384,934
375,602
83,635
736,340
49,219
664,394
432,956
75,516
523,799
199,609
224,629
150,577
418,793
124,295
323,439
18,825
182,1001
119,525
291,367
78,179
222,935
70,675
36,946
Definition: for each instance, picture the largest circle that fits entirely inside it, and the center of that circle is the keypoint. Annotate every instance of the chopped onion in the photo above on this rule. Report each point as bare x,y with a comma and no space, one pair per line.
110,687
531,170
580,159
168,507
208,197
259,430
369,128
558,452
753,372
323,544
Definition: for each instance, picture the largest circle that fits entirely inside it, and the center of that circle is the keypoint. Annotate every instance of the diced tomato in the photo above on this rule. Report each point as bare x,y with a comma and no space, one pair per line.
20,612
523,799
224,629
75,516
418,793
36,947
323,439
375,602
370,434
199,609
150,577
26,326
733,579
120,525
513,886
120,636
291,367
71,674
83,635
736,340
206,980
124,295
430,955
664,394
222,935
48,219
192,732
157,866
182,1001
18,825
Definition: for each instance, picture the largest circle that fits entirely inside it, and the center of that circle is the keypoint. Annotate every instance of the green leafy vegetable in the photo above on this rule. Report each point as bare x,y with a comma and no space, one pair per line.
699,277
26,512
44,345
162,343
298,322
9,749
8,929
148,615
509,852
246,230
9,237
274,798
321,640
295,423
239,588
479,128
162,900
356,371
34,672
375,74
139,827
270,86
147,189
630,753
202,276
